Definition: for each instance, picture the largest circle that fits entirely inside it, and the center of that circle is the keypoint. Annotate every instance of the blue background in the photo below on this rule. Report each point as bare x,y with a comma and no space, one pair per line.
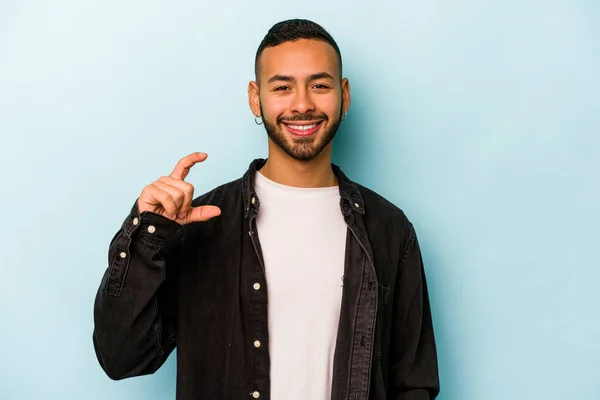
479,118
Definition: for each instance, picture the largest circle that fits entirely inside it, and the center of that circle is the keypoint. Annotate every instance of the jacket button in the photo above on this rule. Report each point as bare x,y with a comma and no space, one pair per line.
136,221
255,394
256,286
254,200
257,343
151,229
123,254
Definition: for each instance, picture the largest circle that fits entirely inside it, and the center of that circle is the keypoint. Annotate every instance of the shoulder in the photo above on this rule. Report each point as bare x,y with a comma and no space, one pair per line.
380,207
384,217
227,194
228,198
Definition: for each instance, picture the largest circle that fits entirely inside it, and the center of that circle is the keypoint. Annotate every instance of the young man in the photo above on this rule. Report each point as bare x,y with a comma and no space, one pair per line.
292,282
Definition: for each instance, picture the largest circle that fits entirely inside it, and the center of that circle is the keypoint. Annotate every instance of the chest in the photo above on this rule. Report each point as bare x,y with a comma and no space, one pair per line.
303,249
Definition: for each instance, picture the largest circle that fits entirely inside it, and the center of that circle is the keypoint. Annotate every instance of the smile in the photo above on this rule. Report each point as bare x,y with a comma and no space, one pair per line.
304,129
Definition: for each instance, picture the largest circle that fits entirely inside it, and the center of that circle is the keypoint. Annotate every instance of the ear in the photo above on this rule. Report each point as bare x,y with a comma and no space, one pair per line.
345,95
254,98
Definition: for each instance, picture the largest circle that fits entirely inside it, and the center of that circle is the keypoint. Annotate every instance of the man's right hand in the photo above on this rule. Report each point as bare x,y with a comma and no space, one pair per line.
171,197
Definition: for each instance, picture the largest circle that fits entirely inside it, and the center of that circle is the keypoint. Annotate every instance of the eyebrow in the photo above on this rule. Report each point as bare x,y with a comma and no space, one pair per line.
313,77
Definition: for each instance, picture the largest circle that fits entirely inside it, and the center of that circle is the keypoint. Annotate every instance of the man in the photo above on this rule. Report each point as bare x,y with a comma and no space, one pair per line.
292,282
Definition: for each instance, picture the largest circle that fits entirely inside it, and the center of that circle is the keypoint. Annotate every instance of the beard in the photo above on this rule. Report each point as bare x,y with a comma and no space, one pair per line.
303,148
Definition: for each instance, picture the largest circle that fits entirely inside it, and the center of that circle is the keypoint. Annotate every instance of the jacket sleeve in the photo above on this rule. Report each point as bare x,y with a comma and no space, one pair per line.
413,358
136,304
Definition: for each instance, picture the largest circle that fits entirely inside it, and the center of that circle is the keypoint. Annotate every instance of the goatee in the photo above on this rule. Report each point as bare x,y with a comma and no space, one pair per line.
302,148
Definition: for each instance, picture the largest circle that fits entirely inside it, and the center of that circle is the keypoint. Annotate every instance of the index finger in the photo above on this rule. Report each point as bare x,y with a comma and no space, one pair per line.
182,169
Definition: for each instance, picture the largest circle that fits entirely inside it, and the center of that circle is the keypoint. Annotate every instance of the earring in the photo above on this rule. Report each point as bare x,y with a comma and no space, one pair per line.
256,120
344,115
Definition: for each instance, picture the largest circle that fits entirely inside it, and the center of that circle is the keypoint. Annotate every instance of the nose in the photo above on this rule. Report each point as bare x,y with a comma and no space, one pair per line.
303,102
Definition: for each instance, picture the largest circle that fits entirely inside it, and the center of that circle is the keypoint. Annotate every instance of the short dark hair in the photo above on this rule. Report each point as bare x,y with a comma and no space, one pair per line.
292,30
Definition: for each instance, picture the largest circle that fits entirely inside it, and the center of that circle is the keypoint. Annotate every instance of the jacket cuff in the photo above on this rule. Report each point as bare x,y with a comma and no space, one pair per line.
149,225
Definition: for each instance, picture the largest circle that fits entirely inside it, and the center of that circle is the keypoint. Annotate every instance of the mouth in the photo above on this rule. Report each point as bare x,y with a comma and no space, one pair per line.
302,128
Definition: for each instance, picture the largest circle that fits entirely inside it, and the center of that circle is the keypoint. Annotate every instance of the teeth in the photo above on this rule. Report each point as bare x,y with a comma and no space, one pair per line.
302,127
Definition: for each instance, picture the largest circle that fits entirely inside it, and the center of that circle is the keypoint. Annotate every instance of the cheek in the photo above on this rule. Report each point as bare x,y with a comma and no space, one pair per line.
274,107
330,106
329,102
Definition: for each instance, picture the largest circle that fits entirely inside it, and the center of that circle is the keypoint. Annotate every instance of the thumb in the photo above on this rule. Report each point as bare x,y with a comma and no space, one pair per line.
203,213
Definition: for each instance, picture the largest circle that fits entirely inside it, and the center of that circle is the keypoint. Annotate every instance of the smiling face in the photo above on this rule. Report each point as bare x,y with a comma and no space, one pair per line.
300,96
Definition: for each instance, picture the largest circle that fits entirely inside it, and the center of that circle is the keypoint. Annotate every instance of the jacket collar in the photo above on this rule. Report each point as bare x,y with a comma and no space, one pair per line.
350,197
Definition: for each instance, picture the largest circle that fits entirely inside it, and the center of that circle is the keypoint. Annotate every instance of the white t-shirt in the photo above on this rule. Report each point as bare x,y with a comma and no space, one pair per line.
303,238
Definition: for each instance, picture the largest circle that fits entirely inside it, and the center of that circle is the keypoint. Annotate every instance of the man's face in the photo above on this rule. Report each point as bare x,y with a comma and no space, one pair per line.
300,96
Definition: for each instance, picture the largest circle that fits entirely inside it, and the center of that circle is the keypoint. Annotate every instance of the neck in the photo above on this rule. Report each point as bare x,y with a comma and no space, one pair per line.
286,170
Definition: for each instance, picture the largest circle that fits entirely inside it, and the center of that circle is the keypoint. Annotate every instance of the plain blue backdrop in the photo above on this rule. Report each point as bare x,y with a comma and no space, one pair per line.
479,118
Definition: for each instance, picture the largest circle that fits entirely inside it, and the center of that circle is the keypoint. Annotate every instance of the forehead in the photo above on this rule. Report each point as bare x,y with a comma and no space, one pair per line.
300,58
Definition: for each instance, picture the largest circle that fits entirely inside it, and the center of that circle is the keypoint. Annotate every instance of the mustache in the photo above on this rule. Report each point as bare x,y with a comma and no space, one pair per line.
303,117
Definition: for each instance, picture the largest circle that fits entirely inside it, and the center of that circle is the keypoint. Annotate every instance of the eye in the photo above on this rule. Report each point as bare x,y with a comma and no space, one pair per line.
321,86
281,88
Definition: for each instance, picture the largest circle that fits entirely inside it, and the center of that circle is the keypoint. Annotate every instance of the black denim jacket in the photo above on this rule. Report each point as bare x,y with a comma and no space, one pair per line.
201,288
